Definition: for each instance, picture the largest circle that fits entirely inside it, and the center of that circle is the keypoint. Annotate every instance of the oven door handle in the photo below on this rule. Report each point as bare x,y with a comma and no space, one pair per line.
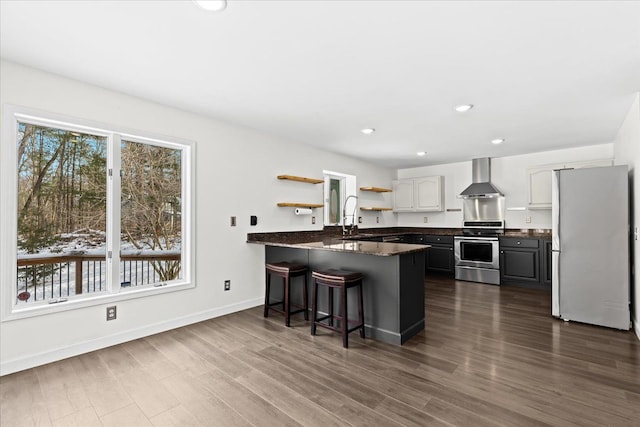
487,240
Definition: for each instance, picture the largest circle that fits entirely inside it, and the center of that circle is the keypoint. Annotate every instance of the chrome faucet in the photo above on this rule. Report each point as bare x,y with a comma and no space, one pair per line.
353,215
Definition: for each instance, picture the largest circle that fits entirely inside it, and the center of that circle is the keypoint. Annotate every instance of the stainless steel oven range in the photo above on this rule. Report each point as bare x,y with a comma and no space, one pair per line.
477,252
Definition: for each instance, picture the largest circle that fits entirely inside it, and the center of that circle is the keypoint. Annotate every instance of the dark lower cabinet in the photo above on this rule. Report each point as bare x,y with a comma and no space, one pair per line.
440,256
520,262
524,262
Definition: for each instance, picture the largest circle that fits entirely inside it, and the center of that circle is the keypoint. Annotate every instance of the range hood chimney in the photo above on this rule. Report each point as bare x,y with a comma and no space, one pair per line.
481,186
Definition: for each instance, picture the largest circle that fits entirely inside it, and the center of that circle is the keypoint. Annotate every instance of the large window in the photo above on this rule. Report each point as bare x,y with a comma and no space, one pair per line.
61,213
94,214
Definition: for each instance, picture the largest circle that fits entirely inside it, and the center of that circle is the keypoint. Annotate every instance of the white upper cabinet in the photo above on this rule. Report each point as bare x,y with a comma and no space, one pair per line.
539,185
539,180
403,195
423,194
428,193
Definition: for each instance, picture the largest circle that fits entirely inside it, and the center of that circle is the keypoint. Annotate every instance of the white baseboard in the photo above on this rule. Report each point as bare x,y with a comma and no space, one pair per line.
20,364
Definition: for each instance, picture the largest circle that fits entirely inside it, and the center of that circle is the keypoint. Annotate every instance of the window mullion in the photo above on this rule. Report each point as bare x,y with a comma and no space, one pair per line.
113,214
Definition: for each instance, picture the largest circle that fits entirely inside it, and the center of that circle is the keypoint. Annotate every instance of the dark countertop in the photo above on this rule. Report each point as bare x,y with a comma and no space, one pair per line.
351,246
330,238
400,231
533,234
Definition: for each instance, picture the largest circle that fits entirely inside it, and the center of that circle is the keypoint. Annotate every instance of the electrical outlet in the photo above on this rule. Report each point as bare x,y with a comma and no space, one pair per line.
359,220
112,313
426,219
227,285
233,221
377,219
527,219
313,220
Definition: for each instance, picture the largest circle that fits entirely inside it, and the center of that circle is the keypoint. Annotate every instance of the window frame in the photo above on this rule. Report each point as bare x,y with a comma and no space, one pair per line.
9,309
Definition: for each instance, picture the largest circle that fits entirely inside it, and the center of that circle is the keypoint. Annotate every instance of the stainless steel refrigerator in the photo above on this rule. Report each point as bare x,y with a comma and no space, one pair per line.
590,258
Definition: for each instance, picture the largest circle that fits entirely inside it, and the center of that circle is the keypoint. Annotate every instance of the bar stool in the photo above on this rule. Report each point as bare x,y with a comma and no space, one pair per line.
342,280
287,271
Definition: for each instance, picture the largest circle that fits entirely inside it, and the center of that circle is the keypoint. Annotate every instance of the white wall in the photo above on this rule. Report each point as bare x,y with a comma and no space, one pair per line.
236,171
508,174
627,151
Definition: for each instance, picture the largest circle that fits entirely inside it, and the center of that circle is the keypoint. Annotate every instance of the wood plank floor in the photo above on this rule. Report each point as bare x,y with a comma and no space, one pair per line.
489,356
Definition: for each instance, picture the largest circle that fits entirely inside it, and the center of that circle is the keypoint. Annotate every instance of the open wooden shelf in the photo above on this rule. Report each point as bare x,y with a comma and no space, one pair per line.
301,179
376,189
375,209
300,205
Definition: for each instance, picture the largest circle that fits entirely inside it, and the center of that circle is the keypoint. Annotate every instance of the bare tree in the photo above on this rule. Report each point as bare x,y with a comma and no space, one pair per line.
151,200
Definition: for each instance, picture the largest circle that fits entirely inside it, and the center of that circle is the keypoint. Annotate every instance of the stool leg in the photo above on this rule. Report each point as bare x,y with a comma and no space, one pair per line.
305,299
266,295
287,301
360,310
330,305
314,307
345,320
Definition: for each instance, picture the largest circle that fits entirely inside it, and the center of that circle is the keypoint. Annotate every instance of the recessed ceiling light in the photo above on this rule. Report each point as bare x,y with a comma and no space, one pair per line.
421,153
368,131
497,141
212,5
464,107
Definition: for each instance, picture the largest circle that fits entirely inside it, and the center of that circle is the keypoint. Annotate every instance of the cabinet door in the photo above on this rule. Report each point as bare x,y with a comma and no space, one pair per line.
403,195
440,258
428,193
539,186
520,265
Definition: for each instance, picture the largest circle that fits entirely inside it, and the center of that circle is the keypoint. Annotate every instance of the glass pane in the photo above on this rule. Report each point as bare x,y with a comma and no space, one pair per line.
477,251
334,201
151,212
61,213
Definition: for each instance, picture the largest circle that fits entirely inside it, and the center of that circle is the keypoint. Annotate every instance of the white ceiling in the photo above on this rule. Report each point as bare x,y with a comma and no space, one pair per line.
543,75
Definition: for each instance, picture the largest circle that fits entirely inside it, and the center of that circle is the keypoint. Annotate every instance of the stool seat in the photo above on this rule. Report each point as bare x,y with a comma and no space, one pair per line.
285,267
337,275
341,280
287,271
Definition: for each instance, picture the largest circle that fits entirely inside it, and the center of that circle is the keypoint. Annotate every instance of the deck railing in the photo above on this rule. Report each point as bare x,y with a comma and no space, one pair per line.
42,277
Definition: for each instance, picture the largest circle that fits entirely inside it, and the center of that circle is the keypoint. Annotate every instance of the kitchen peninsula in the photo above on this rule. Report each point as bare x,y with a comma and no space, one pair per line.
393,284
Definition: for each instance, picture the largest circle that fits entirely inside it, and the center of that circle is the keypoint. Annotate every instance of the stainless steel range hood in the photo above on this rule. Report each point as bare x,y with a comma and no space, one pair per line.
481,186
